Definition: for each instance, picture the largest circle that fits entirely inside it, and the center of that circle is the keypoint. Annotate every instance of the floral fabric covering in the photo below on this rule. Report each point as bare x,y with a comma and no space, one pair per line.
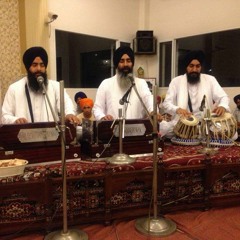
173,156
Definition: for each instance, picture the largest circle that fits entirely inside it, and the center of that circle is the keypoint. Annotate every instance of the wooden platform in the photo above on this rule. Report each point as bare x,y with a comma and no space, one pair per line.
99,192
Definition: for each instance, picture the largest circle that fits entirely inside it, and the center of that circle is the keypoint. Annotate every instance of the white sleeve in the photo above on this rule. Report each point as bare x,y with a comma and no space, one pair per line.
69,107
147,96
219,95
9,107
170,101
68,104
99,108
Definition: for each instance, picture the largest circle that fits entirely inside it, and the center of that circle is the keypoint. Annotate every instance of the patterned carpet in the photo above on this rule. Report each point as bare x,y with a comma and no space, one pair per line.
215,224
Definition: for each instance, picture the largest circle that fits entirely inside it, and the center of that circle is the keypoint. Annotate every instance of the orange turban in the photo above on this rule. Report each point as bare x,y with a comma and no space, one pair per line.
86,102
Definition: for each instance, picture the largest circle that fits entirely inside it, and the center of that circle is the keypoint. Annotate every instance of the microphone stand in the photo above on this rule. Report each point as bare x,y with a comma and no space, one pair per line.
121,158
155,226
207,150
65,234
140,99
50,105
124,99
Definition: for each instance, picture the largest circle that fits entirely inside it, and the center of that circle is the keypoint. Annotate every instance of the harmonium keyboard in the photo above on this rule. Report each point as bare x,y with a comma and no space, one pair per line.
100,139
38,142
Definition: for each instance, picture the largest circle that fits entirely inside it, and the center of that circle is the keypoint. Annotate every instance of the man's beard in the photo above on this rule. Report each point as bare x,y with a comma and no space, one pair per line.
123,79
193,77
33,83
123,72
238,107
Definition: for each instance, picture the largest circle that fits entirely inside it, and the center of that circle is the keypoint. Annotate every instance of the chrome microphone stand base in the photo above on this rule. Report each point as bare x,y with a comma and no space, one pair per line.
155,226
72,234
121,158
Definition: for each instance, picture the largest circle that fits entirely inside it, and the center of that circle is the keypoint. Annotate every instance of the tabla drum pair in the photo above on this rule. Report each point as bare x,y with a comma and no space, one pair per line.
220,127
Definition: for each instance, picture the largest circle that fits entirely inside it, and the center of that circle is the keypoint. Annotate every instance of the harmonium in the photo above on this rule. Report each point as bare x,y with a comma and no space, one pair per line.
38,142
100,139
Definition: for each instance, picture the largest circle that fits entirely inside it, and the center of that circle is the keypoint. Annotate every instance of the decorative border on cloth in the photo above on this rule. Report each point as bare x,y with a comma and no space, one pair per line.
219,143
173,156
185,142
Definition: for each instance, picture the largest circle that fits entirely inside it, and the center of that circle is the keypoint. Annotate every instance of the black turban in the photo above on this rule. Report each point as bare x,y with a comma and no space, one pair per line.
120,52
32,53
198,55
79,95
236,98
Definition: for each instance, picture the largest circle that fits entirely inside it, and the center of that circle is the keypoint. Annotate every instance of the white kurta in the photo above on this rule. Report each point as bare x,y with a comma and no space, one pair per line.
15,103
177,96
109,93
236,114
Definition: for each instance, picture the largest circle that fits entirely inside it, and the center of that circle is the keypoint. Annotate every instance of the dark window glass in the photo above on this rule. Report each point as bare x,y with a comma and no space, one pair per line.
83,60
222,50
165,63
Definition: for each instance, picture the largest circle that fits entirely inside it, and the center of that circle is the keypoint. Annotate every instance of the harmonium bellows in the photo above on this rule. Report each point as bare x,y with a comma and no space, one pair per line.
101,138
37,142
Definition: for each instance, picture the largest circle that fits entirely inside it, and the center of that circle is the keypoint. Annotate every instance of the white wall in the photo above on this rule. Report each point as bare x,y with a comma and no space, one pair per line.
103,18
120,20
112,19
172,19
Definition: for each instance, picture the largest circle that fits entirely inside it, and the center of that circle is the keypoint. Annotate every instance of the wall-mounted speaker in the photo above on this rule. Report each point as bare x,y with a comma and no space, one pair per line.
144,34
144,45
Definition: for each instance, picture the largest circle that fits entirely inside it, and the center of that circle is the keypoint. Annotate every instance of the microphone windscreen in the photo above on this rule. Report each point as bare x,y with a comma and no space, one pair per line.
40,79
130,77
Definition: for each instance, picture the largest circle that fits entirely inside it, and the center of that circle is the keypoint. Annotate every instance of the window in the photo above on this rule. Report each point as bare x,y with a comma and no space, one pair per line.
222,50
83,61
165,63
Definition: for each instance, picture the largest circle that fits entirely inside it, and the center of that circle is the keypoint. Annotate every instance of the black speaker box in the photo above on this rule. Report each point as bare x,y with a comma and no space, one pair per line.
143,34
144,45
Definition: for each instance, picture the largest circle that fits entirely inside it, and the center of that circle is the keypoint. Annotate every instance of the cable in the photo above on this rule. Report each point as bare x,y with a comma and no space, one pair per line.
105,147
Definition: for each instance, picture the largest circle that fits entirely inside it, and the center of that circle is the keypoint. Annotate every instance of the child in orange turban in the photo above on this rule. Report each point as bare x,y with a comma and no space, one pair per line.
86,105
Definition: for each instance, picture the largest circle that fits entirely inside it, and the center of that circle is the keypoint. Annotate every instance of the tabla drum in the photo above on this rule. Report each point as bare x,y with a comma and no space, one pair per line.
187,127
220,127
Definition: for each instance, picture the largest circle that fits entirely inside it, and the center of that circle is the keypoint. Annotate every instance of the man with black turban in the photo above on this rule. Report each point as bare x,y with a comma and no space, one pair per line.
25,100
236,112
112,90
186,93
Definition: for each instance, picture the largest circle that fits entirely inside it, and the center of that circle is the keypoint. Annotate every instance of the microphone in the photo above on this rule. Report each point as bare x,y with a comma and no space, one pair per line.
130,77
202,106
125,96
41,84
40,80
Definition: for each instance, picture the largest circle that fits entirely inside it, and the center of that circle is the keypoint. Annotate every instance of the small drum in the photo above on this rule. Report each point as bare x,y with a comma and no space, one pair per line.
187,128
220,127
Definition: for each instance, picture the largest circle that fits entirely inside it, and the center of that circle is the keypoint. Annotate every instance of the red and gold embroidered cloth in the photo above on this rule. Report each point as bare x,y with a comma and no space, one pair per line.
173,156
